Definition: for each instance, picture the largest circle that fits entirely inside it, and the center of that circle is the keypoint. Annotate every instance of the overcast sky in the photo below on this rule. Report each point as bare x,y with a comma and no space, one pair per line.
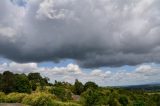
111,42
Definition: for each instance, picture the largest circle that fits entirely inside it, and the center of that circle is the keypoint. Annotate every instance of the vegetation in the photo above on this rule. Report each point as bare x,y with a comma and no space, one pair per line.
34,90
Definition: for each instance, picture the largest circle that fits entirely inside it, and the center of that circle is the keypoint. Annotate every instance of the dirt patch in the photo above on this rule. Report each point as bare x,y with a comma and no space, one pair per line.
11,104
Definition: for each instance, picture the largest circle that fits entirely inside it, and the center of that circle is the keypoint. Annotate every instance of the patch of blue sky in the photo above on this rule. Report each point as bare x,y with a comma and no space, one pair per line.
122,68
4,60
62,63
127,68
20,2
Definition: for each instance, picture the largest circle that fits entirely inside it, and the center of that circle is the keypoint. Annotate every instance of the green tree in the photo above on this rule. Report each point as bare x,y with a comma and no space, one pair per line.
35,76
8,82
1,82
114,102
36,79
123,100
78,87
156,99
33,85
22,84
91,97
90,85
62,93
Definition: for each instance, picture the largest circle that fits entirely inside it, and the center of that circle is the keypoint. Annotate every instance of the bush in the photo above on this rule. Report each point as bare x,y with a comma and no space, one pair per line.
90,85
138,103
114,102
59,103
90,97
2,97
22,84
15,97
62,93
78,87
123,100
39,99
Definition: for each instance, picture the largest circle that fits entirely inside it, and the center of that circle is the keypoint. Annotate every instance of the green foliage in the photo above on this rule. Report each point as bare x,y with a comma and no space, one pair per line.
35,79
22,84
138,103
90,85
34,99
39,99
33,85
113,99
12,97
15,97
62,93
78,87
34,90
65,85
123,100
34,76
59,103
1,81
91,97
156,99
2,97
8,84
114,102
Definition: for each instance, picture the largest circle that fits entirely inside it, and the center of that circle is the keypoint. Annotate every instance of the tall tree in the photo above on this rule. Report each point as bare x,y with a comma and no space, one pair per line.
78,87
22,84
8,82
90,85
37,79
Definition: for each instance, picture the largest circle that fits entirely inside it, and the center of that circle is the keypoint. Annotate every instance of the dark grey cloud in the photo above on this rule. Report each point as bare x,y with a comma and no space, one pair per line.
95,33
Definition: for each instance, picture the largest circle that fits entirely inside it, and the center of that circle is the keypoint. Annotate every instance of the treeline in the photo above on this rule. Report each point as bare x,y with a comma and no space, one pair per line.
149,87
22,83
34,90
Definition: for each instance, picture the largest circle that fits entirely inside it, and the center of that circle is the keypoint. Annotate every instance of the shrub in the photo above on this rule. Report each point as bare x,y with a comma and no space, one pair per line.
138,103
2,97
59,103
15,97
123,100
78,87
39,99
62,93
114,102
90,97
22,84
90,85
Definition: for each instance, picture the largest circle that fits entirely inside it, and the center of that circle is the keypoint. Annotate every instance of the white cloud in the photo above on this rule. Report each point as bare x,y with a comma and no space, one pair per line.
144,69
9,32
100,73
147,70
33,67
18,68
141,75
48,9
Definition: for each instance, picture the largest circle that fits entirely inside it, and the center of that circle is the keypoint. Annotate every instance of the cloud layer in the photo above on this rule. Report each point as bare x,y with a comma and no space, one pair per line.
95,33
141,75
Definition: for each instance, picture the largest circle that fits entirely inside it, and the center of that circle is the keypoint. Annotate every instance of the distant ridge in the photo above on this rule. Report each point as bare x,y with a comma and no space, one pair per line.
146,87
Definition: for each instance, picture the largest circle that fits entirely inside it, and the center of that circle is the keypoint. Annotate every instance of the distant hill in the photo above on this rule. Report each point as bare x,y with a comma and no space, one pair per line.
146,87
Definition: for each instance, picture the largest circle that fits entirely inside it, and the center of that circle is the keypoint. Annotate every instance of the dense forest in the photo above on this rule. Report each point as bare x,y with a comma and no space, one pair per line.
34,90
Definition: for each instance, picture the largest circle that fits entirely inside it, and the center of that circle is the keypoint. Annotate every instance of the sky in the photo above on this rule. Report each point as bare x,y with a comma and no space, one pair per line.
110,42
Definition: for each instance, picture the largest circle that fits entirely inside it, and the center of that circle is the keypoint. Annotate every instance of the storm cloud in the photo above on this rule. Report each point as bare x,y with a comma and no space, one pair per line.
94,33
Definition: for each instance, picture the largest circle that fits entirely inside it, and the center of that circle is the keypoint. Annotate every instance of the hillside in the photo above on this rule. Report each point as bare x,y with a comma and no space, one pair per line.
34,90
